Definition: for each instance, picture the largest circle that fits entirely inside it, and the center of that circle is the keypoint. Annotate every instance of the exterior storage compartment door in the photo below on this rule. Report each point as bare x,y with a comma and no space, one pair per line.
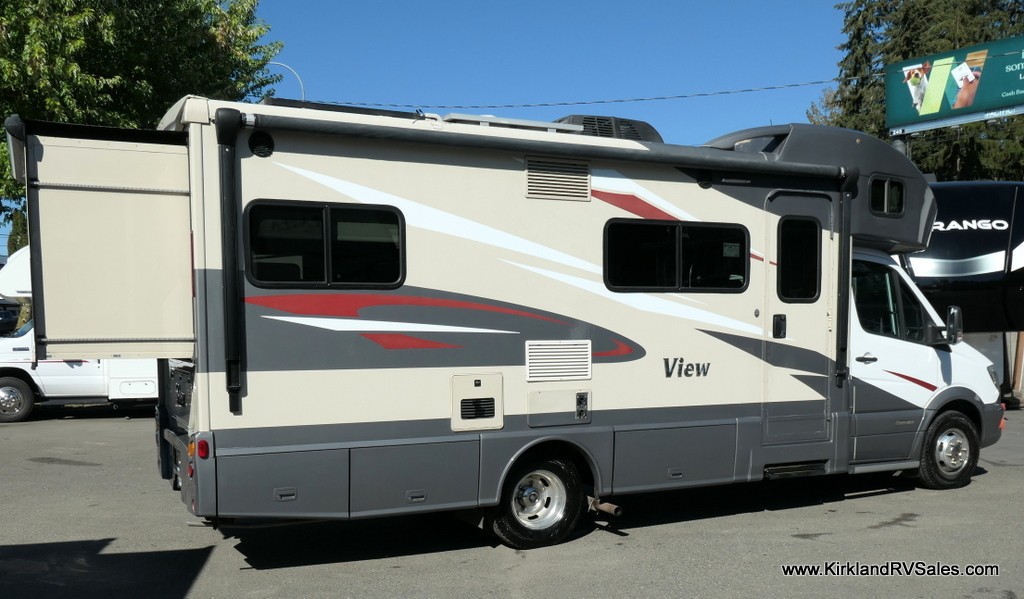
109,229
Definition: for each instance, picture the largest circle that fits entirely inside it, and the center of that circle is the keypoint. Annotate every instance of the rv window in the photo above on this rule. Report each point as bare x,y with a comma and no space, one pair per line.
644,255
298,244
364,246
799,259
885,304
286,243
886,197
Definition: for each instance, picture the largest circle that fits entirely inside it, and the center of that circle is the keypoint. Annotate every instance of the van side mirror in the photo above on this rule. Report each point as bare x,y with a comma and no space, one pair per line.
954,325
953,332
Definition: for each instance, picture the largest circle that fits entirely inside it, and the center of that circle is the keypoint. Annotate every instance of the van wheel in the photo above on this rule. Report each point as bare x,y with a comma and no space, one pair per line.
540,505
950,451
16,400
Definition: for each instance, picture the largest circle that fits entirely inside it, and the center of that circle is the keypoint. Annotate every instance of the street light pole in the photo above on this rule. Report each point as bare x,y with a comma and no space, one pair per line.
302,89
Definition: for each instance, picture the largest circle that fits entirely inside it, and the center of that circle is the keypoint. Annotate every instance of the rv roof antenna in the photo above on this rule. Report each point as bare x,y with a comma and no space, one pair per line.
302,89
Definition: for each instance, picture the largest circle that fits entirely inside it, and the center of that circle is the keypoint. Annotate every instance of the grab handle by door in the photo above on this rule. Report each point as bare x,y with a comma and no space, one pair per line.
867,359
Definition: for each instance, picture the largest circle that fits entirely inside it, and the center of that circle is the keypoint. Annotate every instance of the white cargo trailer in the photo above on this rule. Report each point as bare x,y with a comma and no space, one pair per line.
369,313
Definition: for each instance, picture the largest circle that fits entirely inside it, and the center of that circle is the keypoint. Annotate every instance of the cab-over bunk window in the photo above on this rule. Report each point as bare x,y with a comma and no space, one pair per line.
887,197
299,244
649,255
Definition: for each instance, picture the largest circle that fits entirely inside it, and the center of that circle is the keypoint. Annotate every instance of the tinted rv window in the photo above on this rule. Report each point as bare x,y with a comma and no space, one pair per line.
885,304
799,259
299,244
886,197
286,244
643,255
364,246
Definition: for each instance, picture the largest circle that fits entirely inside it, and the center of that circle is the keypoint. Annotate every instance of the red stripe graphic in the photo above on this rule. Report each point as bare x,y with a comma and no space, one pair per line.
621,349
927,386
349,305
400,341
631,203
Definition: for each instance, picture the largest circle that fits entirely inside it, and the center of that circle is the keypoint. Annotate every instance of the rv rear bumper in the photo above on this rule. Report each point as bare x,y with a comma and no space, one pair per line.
991,423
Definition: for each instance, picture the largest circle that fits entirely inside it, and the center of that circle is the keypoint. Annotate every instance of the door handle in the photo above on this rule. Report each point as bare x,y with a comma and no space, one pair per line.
779,326
867,359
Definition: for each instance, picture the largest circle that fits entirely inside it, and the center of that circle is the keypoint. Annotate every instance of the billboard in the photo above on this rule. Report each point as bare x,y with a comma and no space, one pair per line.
960,86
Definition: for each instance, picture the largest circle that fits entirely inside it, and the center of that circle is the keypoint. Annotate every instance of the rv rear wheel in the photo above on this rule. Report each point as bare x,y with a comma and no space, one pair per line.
950,451
540,505
16,400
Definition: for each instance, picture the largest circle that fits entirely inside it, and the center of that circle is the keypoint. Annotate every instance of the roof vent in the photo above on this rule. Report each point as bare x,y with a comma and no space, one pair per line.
611,126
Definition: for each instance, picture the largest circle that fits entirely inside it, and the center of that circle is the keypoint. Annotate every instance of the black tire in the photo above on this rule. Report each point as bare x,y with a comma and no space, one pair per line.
950,452
540,505
16,399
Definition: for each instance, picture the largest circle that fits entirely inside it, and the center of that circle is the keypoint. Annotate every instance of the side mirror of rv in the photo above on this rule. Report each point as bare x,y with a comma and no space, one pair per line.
954,325
951,334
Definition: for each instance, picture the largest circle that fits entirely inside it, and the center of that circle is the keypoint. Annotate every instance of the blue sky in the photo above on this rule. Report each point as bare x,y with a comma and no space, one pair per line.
463,53
473,53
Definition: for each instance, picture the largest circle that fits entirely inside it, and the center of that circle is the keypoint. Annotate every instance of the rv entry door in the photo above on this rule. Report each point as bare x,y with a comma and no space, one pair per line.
801,250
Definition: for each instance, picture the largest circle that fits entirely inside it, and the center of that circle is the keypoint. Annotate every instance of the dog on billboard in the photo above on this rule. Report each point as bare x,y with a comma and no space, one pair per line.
916,78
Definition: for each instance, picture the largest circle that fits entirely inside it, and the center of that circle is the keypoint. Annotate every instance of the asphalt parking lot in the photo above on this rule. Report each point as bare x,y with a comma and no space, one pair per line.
85,514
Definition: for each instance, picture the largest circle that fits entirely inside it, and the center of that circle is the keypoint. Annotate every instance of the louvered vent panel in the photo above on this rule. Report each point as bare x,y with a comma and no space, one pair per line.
550,179
481,407
628,130
599,126
558,360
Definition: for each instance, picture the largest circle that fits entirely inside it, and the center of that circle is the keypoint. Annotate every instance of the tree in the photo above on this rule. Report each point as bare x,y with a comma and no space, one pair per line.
18,237
116,63
855,102
883,32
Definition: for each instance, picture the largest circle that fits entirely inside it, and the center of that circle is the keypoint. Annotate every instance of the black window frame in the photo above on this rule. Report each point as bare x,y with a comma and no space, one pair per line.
780,263
326,220
679,287
888,183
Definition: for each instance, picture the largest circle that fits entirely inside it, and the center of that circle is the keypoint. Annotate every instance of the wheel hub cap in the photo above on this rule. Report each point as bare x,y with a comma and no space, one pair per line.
952,451
10,399
539,500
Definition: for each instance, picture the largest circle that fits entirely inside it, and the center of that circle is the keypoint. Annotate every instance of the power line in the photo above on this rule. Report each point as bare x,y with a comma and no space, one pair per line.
730,92
593,102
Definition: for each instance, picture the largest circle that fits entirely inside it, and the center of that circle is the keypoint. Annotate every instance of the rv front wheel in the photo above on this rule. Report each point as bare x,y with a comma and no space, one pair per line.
950,451
16,400
540,505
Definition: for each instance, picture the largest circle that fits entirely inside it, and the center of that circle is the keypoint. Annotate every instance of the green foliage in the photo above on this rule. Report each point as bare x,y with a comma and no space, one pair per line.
117,63
18,237
882,32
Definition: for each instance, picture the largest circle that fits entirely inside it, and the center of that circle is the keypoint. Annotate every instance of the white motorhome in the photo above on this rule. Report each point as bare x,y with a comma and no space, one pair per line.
366,313
26,381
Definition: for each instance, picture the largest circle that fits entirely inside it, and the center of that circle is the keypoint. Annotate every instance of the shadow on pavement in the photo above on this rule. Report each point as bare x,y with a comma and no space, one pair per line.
79,569
326,542
84,411
300,544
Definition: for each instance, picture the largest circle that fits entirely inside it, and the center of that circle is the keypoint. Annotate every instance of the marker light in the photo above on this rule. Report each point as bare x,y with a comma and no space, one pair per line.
204,449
